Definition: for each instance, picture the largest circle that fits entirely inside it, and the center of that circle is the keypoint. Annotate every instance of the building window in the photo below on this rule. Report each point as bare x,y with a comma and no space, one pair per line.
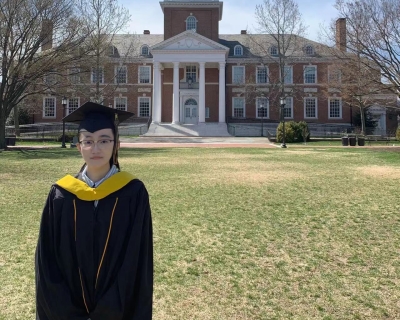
73,104
112,50
335,108
191,23
310,107
207,112
310,74
238,50
238,108
238,74
49,107
50,79
121,103
74,75
288,74
273,51
144,74
334,75
262,74
262,105
191,72
288,110
309,50
145,50
98,75
120,74
144,107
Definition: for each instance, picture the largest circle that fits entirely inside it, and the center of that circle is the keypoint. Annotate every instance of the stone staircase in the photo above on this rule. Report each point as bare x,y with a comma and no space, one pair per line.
188,130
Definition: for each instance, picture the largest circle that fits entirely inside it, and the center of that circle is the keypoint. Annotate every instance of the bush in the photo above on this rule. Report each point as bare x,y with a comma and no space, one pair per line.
294,131
398,134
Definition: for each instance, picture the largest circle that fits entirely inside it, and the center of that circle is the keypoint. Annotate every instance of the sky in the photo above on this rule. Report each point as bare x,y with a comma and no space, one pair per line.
237,15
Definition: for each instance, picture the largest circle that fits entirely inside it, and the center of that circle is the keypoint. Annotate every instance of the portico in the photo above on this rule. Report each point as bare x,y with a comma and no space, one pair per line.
192,58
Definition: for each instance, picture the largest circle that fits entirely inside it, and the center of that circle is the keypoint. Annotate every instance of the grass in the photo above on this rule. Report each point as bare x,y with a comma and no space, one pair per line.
302,233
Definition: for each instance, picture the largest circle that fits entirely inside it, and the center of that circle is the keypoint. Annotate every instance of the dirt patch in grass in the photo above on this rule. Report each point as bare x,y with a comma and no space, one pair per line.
380,172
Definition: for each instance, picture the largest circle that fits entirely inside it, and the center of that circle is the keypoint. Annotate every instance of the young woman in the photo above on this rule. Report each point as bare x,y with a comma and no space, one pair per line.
94,258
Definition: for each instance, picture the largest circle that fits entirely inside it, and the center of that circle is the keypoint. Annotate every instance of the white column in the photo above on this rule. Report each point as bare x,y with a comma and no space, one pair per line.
221,110
175,98
202,93
156,93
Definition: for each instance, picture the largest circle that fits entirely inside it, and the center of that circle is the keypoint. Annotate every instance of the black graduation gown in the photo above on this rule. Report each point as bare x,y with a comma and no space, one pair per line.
95,262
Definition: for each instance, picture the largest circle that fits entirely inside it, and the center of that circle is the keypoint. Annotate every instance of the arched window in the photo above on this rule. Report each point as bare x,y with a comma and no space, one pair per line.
273,51
191,102
238,51
145,50
191,23
309,50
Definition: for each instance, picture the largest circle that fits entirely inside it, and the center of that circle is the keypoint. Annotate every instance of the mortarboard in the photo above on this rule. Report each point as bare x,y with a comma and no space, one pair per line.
93,117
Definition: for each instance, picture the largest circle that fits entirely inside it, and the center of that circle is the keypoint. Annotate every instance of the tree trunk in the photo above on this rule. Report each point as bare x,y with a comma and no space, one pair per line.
16,120
2,130
362,115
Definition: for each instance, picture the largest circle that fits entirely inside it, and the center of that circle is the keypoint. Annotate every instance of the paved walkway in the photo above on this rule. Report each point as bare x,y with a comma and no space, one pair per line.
190,142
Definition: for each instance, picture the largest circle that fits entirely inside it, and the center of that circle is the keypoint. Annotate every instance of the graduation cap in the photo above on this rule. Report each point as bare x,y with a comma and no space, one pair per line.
92,117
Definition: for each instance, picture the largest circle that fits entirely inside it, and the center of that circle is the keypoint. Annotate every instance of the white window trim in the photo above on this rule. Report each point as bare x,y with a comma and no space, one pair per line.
316,74
115,102
291,107
262,67
101,69
141,50
329,108
312,50
138,106
197,72
44,106
238,46
330,72
233,74
316,107
116,74
274,54
139,74
79,103
195,19
265,98
233,107
291,75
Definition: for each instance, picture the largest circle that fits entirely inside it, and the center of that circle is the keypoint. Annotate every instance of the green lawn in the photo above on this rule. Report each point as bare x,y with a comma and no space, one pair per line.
301,233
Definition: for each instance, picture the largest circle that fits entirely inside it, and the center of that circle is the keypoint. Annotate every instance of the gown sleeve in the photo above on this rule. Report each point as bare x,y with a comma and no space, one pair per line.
130,296
53,296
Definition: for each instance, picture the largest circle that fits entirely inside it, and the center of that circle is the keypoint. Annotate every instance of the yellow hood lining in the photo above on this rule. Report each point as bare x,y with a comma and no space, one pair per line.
86,193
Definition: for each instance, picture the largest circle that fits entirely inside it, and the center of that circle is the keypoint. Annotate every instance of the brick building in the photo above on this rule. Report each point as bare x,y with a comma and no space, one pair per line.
192,75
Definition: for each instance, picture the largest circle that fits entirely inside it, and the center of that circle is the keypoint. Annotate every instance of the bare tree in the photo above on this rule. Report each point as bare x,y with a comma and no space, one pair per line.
27,28
373,31
280,23
106,18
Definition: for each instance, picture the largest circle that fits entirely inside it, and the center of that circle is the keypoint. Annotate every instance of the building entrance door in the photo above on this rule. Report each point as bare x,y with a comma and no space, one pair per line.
191,114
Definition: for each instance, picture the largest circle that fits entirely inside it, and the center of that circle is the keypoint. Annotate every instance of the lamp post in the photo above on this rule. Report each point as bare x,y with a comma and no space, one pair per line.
262,119
64,104
283,103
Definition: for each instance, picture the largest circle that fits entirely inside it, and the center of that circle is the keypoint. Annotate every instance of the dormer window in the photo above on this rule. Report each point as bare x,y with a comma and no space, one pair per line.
273,51
112,50
191,23
145,50
238,50
309,50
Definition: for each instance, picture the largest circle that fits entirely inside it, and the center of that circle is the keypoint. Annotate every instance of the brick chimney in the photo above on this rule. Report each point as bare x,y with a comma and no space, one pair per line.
243,32
46,34
341,32
146,31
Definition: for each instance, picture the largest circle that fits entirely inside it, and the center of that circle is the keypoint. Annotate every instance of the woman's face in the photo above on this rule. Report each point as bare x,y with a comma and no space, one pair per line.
96,148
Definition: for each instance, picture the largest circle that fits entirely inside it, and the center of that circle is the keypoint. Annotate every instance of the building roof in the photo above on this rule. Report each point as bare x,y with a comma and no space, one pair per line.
254,45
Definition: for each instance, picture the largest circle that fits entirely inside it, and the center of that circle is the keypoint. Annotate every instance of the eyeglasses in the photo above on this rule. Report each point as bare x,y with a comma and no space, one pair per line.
101,144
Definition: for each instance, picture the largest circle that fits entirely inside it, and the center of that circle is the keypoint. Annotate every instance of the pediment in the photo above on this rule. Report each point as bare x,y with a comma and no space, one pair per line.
188,41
